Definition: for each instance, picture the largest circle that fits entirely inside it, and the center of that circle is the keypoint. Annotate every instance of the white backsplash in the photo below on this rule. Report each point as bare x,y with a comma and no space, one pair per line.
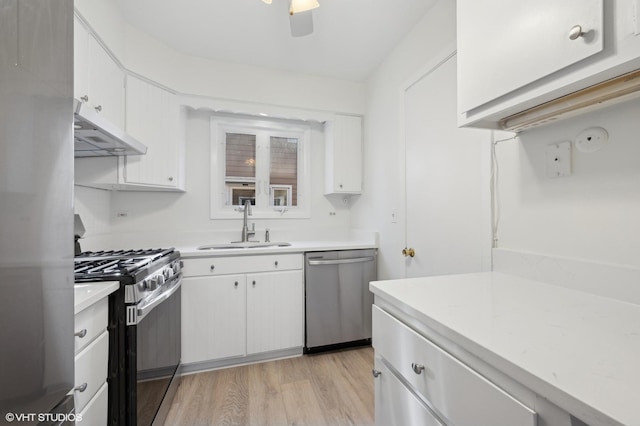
619,282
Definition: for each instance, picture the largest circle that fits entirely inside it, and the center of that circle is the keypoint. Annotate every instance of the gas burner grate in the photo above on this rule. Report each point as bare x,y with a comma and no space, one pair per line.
121,254
119,264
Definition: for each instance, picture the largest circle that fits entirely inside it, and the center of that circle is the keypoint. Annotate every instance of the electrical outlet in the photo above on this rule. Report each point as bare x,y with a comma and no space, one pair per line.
558,160
592,139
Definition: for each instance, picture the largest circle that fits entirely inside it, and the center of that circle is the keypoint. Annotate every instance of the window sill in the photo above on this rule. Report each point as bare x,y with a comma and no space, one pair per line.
289,213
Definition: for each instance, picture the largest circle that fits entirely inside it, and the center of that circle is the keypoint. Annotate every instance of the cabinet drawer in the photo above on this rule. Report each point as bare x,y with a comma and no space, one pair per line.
241,264
454,391
95,412
397,405
90,323
91,368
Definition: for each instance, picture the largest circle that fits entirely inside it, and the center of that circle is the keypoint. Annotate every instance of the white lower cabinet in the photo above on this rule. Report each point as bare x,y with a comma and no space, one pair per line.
91,363
274,311
227,316
213,317
456,393
95,412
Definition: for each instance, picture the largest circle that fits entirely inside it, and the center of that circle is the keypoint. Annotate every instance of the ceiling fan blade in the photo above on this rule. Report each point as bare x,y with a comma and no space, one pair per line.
301,24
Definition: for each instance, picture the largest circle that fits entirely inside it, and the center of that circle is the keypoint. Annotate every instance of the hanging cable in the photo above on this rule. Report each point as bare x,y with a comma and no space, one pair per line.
495,192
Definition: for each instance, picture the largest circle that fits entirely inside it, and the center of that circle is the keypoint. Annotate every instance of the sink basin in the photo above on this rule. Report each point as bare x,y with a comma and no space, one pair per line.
243,245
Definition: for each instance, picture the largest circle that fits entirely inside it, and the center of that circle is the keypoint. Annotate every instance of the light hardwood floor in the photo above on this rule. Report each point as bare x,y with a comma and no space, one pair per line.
334,388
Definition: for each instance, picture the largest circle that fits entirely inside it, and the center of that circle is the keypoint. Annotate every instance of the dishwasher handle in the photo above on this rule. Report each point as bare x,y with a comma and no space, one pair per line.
341,261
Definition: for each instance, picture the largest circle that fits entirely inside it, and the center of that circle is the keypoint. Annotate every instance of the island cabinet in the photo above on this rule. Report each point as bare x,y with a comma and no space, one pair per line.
421,375
513,56
241,309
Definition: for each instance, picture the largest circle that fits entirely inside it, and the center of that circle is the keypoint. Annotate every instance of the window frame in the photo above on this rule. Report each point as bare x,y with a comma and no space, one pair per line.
220,125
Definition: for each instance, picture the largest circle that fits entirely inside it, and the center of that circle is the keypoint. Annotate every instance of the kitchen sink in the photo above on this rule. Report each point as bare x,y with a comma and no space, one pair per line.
243,245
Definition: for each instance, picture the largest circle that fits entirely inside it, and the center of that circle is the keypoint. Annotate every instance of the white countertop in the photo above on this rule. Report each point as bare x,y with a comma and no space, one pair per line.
295,247
580,351
86,294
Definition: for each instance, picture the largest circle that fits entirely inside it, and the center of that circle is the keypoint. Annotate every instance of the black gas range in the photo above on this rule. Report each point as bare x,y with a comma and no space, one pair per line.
144,329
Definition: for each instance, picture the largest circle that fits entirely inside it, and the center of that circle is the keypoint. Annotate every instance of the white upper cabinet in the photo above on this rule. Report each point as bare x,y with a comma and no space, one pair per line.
513,56
98,78
153,117
343,171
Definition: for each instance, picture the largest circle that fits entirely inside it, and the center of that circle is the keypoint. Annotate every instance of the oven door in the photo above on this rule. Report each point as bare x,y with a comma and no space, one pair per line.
153,356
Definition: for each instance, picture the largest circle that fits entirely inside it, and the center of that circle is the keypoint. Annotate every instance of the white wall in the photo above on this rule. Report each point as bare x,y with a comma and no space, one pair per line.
183,218
592,214
384,148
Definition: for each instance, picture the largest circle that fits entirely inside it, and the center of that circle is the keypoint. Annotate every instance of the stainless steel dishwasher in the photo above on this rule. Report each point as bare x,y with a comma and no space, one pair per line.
337,298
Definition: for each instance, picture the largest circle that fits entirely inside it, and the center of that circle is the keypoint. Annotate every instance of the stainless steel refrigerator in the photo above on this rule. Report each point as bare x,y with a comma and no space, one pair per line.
36,211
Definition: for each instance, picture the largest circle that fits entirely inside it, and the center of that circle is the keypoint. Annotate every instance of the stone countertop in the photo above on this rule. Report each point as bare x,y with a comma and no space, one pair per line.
86,294
580,351
295,247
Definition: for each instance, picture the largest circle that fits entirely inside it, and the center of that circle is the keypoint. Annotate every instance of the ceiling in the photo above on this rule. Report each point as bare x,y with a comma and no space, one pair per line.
350,38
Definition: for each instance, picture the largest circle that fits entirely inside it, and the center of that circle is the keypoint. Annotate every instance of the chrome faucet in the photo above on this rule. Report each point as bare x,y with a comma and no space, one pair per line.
246,233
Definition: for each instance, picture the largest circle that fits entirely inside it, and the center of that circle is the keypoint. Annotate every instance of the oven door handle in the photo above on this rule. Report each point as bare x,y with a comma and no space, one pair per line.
148,307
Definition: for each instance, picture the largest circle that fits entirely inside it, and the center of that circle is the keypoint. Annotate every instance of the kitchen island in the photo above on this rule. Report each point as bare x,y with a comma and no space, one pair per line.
539,343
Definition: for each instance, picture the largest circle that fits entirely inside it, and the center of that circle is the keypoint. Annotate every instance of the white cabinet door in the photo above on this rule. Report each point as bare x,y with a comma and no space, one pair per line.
153,117
274,311
344,155
395,404
80,60
98,78
213,318
106,84
505,45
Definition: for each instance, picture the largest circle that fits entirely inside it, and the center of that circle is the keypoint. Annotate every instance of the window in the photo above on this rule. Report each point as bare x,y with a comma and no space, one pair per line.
263,161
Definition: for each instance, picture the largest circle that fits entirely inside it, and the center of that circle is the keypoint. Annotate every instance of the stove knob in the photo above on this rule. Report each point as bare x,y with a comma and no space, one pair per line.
168,273
160,279
176,267
150,284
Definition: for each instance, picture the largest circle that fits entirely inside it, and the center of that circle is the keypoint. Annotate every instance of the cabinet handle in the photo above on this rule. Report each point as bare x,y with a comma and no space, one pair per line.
99,108
376,373
81,388
212,268
84,98
417,368
276,263
254,283
170,178
81,333
235,284
340,185
575,32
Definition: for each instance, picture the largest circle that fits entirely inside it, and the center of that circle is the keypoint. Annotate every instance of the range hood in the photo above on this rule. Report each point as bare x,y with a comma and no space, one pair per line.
96,137
607,93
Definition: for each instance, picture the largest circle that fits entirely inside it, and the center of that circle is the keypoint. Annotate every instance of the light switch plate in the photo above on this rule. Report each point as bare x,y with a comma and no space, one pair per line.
558,160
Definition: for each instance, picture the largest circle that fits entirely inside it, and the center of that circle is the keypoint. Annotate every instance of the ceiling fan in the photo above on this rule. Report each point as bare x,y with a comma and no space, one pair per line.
300,17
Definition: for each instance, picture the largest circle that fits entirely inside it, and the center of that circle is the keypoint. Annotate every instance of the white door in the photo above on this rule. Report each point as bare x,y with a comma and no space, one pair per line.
447,180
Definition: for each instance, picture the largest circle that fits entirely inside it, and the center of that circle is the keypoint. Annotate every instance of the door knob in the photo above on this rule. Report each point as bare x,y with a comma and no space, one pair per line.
408,252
